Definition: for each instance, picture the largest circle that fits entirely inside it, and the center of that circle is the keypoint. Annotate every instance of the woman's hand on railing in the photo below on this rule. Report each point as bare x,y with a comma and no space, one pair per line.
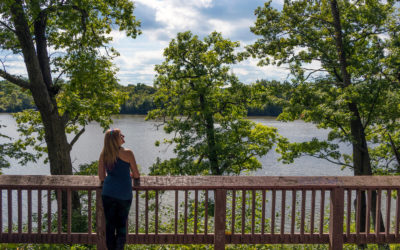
136,181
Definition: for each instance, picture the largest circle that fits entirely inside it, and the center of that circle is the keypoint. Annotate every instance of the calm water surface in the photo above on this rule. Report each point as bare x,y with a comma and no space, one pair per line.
140,136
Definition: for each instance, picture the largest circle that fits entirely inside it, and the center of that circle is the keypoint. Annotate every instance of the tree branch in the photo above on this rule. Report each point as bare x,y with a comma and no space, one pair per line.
395,150
65,117
334,121
337,75
8,27
372,107
14,79
76,138
313,71
331,161
58,77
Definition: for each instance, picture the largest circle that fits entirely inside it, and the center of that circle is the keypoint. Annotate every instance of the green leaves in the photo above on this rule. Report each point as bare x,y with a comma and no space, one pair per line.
69,66
302,36
14,98
89,98
204,106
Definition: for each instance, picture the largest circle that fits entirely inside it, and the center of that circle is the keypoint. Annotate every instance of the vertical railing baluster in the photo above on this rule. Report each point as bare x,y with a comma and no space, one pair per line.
336,218
312,211
397,212
233,211
263,213
29,212
348,215
186,215
9,198
273,211
1,211
219,219
283,211
388,204
243,210
15,205
89,212
292,225
156,212
253,210
303,211
196,197
358,212
378,212
176,212
69,212
146,219
59,212
137,212
322,212
19,211
368,212
49,211
39,224
206,212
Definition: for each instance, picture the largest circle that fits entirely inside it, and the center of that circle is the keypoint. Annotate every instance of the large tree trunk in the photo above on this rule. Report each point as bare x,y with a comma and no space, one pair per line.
37,65
39,74
361,159
57,145
212,150
210,136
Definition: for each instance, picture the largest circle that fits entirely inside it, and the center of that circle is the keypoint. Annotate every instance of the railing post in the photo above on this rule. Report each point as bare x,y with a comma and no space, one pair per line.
100,222
220,219
336,219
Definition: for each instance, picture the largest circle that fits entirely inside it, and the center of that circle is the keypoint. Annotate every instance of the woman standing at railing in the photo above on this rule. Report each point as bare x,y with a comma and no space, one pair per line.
116,166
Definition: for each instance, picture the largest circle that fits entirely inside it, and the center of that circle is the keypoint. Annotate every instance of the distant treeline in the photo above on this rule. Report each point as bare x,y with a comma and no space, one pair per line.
14,99
139,101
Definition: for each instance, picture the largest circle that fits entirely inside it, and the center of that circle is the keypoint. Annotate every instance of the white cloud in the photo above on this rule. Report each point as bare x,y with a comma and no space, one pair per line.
240,71
226,28
117,36
132,58
138,56
176,15
248,71
13,64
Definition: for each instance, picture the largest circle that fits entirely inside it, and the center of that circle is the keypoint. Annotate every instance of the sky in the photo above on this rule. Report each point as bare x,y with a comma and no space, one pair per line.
161,20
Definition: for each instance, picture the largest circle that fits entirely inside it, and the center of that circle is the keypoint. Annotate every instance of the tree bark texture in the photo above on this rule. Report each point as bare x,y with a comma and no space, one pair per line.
37,64
210,135
361,158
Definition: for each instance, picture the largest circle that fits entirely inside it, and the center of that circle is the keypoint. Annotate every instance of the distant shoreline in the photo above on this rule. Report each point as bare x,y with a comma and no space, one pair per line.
138,114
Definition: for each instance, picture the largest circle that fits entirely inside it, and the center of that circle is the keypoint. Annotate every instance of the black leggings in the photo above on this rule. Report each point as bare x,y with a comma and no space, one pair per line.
116,212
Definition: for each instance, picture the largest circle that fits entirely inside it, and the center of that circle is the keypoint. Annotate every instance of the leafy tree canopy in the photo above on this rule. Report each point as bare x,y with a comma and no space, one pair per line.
69,65
204,106
344,62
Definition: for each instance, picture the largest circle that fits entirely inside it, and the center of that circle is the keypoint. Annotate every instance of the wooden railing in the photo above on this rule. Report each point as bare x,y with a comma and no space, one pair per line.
207,210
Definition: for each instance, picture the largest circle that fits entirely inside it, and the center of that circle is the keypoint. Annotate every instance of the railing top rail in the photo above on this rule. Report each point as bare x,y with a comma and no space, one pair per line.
207,182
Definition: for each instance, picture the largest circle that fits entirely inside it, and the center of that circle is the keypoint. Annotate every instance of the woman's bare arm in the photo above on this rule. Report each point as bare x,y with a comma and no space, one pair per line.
134,168
102,170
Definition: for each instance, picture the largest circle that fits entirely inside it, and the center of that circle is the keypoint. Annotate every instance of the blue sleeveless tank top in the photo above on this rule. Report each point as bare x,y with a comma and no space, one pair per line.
118,183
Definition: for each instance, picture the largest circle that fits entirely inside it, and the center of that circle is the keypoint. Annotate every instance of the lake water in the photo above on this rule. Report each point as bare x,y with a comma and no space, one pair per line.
140,136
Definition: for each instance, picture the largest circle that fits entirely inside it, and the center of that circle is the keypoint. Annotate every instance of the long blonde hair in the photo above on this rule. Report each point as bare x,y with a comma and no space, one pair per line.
111,147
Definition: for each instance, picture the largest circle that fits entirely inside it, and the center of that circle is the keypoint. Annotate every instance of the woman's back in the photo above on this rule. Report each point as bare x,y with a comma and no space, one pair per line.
118,183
